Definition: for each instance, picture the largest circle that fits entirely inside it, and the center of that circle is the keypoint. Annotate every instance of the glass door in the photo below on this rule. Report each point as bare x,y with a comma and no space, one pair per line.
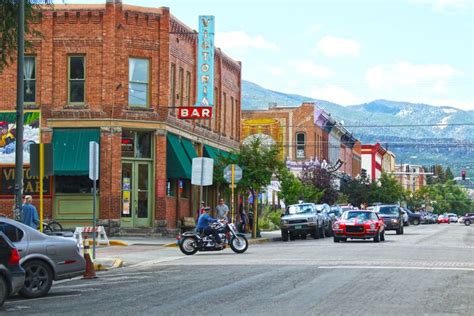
136,191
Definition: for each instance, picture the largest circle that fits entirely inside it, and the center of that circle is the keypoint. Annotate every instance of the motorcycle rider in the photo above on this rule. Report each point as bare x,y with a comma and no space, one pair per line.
204,226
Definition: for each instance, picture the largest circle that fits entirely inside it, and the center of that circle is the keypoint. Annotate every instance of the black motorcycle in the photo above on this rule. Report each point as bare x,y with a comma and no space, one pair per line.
192,242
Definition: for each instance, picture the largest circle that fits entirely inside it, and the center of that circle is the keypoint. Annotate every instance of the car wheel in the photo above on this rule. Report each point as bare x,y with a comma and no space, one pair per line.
399,231
303,236
315,233
336,239
467,222
344,239
3,290
38,279
377,237
292,236
321,232
329,232
416,221
382,235
284,235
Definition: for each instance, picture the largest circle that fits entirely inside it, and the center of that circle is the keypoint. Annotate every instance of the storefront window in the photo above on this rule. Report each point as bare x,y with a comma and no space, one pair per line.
171,187
183,188
136,144
73,184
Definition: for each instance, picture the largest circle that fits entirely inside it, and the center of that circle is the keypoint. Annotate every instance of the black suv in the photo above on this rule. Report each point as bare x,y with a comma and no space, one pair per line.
392,217
12,275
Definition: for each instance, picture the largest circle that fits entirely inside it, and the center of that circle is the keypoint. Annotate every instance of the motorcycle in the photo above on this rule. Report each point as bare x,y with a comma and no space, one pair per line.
192,242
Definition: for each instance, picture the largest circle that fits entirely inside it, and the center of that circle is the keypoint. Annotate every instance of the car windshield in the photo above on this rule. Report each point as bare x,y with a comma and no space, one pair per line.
299,209
392,210
352,215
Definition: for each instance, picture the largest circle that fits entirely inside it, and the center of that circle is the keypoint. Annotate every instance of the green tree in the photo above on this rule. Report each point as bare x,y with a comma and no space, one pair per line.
292,189
357,190
9,27
449,174
259,163
322,181
386,190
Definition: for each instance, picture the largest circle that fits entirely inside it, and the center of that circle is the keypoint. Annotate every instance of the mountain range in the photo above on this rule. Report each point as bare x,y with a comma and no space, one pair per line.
422,138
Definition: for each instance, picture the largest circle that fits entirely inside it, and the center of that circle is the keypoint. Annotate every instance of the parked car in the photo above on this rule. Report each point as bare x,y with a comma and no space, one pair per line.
44,258
453,218
359,224
392,217
336,211
413,218
300,220
324,210
12,275
467,219
443,219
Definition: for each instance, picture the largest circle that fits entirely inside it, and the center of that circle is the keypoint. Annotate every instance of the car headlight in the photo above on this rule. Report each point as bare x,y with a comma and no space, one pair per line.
395,220
284,221
310,219
372,226
336,226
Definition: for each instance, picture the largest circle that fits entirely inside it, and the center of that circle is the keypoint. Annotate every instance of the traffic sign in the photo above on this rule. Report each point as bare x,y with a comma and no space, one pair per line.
228,173
202,171
93,161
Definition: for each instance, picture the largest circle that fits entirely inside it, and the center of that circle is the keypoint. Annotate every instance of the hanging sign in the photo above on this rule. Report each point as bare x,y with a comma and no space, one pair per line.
205,65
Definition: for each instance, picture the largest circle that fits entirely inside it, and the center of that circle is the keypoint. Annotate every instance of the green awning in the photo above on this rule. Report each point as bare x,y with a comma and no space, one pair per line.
71,151
211,152
178,165
189,148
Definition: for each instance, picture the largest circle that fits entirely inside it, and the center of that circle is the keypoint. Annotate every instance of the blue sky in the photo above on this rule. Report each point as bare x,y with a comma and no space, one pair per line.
345,51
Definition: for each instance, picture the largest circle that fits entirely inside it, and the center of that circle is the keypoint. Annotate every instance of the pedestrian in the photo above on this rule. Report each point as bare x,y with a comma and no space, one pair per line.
243,220
29,214
222,210
200,210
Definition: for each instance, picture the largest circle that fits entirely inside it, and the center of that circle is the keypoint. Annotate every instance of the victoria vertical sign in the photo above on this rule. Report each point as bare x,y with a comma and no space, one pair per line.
205,65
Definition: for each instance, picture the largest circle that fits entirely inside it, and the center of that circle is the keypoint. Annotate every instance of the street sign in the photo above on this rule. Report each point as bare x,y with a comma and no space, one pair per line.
202,171
228,173
93,160
191,112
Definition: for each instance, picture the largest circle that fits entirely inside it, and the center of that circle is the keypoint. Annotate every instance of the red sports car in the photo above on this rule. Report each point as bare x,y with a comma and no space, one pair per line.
443,219
359,224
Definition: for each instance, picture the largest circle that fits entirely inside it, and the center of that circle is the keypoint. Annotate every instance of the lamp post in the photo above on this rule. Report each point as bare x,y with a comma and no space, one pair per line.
19,110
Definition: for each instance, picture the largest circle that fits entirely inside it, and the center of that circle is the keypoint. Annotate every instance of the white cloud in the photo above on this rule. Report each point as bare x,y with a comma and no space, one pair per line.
275,71
314,29
334,93
308,67
331,46
431,77
242,41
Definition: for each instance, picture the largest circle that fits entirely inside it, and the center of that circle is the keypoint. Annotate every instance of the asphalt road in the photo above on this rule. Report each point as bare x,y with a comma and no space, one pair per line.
427,271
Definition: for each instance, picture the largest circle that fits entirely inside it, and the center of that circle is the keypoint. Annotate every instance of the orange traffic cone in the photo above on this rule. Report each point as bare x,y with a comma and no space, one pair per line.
90,270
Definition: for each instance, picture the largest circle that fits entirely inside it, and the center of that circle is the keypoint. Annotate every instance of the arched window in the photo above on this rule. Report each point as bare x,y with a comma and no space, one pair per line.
300,145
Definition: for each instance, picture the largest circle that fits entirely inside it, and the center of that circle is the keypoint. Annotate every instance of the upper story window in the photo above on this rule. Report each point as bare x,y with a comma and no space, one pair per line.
29,75
77,80
181,86
138,73
188,88
173,85
300,144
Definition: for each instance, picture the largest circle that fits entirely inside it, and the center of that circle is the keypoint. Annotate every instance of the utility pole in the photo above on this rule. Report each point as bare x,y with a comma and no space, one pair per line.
19,109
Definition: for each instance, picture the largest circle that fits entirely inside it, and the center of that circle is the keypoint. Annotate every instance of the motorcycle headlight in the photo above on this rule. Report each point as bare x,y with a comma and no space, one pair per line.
372,226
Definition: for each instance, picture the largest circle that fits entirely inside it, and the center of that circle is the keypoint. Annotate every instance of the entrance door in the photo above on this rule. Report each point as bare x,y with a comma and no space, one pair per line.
136,194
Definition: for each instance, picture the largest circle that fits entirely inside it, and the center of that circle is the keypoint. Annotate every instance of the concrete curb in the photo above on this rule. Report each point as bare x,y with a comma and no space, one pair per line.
107,264
118,243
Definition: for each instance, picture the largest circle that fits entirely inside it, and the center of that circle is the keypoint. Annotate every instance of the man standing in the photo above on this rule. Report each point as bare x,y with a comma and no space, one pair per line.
222,210
29,215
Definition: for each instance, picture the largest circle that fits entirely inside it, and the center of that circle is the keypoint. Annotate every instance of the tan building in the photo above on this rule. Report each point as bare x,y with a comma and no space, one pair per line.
411,177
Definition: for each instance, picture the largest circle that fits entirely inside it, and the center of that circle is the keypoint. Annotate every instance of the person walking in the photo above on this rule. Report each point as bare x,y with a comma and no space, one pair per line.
222,210
243,220
29,214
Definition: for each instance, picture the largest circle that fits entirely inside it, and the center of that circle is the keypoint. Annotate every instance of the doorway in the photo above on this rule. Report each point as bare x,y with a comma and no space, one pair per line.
136,194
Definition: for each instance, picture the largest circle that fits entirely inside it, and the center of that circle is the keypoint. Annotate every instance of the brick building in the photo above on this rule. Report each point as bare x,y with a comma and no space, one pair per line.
306,133
372,160
113,73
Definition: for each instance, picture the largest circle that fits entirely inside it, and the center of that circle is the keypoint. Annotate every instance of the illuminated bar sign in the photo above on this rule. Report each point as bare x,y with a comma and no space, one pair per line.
195,112
205,78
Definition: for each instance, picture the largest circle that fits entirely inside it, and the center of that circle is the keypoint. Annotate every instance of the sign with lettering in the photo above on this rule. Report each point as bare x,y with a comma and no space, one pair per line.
205,65
195,112
31,183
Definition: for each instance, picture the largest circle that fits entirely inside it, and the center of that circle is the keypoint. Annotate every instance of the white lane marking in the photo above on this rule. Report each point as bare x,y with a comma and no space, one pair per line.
44,298
396,268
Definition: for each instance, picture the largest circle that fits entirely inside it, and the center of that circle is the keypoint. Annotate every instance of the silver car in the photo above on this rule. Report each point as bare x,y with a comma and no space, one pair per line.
44,258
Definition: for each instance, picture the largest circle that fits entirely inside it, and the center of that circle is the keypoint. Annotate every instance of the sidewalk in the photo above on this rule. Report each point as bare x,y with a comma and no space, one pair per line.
130,251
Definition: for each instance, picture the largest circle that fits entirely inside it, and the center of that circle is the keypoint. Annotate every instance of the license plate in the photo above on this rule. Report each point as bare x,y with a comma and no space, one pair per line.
298,227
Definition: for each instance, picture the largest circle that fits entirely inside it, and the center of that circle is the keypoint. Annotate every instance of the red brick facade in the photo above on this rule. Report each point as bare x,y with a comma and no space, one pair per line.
107,35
